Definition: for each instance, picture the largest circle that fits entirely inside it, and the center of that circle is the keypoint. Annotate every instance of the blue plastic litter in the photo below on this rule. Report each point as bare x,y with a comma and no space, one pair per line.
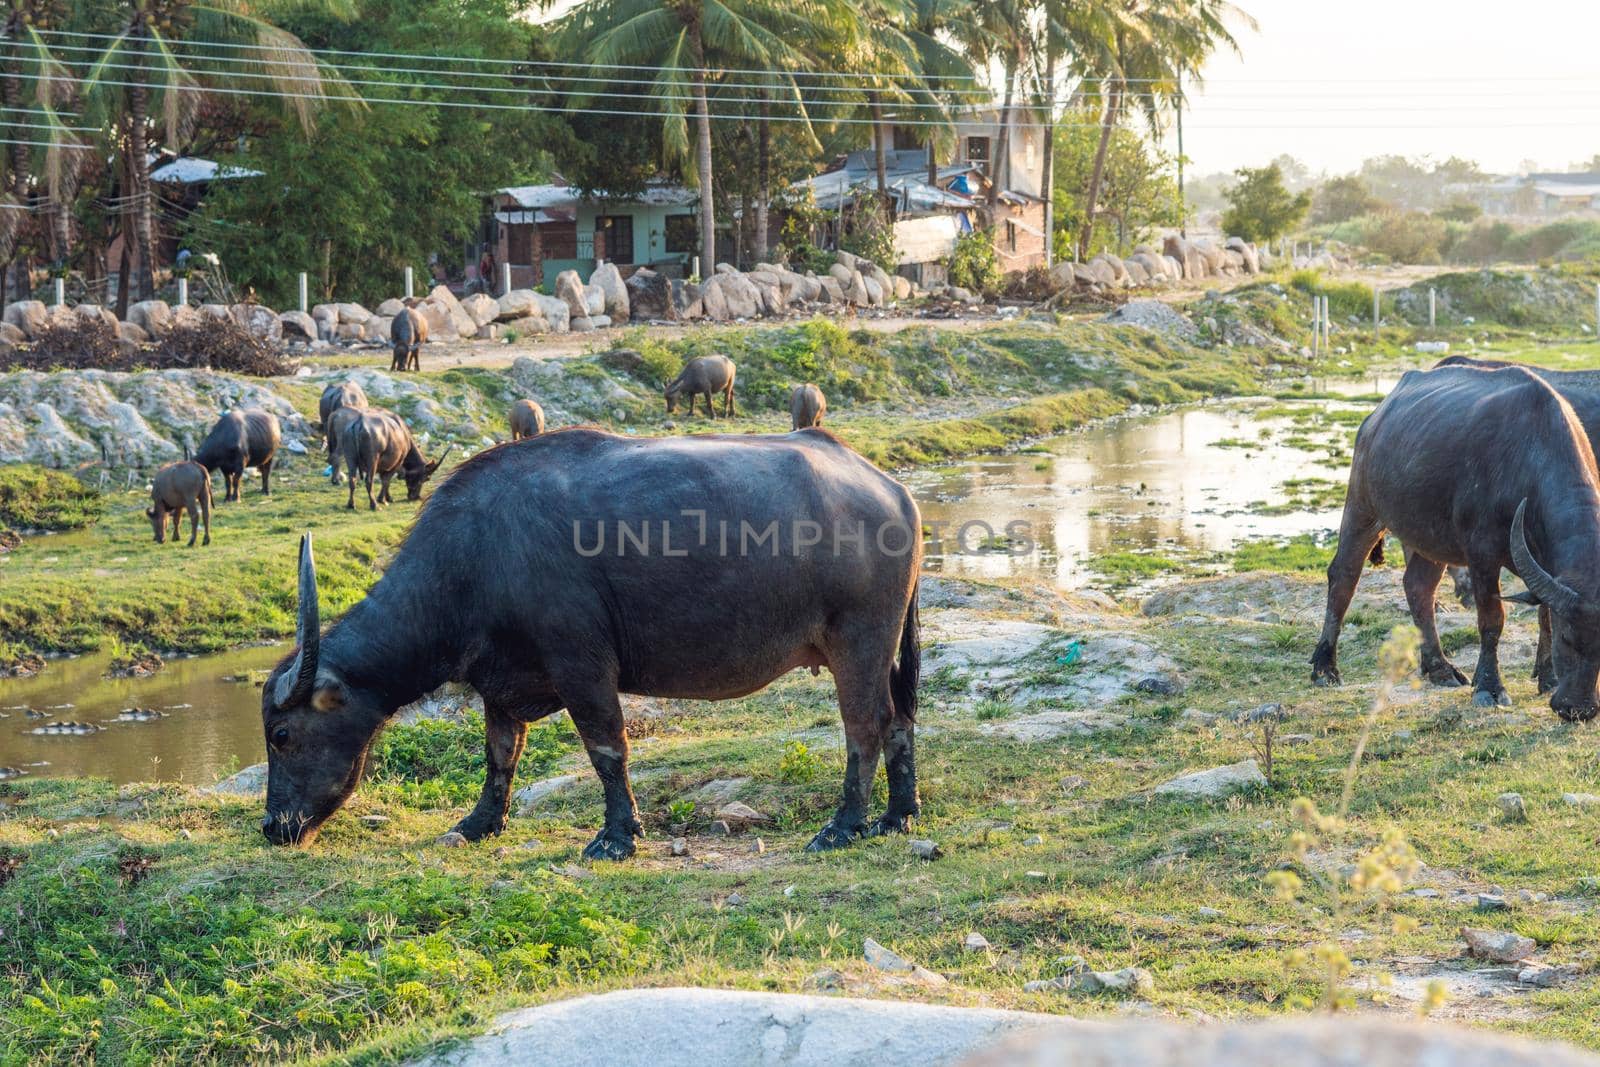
1072,655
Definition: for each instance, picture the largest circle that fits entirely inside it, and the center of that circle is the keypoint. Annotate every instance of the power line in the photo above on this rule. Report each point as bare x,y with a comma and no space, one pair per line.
805,97
894,108
1476,80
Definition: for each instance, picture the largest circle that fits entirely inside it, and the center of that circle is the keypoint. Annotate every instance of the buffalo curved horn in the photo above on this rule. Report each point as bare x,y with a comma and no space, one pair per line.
431,467
1540,582
296,683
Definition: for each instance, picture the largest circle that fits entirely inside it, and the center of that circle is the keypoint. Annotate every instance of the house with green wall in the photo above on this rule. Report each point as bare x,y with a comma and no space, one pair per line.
542,230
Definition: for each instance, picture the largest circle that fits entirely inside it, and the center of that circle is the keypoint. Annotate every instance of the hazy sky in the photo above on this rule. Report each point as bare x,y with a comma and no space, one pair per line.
1335,83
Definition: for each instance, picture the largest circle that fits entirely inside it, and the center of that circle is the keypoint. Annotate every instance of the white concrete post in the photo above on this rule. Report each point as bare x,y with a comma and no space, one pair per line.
61,292
694,269
1433,306
305,292
1377,316
1327,320
183,292
505,278
1316,325
410,284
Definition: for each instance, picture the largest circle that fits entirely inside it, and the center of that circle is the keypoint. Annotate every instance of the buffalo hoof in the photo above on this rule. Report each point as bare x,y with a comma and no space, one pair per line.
1578,714
1485,699
477,829
830,837
1445,675
889,824
612,843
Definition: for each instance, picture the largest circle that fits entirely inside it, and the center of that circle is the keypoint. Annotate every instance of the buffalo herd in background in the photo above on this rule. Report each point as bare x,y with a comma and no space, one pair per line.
375,444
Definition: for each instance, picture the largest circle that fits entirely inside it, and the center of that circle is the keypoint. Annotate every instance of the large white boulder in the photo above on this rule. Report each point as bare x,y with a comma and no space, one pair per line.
154,317
554,311
735,1028
297,326
259,320
482,308
354,313
608,279
569,287
516,304
29,316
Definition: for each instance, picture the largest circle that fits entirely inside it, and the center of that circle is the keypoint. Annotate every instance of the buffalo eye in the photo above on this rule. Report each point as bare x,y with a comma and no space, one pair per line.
280,736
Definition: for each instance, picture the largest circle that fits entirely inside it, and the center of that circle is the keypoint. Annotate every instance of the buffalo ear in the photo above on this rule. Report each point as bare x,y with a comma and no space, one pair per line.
1524,597
328,697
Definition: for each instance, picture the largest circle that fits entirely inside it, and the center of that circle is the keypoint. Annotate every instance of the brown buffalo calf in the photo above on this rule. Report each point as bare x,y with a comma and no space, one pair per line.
176,488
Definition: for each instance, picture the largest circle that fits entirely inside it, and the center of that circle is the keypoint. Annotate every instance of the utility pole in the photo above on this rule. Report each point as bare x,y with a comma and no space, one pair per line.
1183,205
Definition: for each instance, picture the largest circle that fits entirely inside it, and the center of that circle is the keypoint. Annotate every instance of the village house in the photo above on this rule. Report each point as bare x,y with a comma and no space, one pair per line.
934,207
541,230
1543,194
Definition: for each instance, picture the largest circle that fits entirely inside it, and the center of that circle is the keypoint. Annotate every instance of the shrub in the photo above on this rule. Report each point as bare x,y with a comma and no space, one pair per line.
38,499
973,264
870,236
1407,237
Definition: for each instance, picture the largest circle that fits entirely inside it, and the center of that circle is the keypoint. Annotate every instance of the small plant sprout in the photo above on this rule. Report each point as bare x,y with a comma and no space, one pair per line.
798,764
1380,868
1265,720
679,812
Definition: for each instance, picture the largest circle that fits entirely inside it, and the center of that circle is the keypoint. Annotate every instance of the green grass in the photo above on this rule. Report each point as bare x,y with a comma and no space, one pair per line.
375,942
1300,553
35,498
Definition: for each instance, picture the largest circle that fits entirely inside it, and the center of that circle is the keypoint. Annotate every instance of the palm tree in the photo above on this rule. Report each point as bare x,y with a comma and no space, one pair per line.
139,75
1085,29
685,40
1155,42
33,85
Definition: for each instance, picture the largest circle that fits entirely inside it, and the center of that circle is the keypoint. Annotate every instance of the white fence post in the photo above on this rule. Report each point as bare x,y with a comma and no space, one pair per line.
694,271
305,292
1316,325
505,278
183,292
410,284
61,292
1433,305
1376,312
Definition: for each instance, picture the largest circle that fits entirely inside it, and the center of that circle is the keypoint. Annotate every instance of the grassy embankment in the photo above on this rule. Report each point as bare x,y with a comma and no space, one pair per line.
152,924
916,397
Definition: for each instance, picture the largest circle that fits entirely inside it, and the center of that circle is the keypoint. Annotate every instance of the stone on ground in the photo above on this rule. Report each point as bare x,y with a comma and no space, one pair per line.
729,1028
1217,782
1307,1041
529,797
1497,946
248,782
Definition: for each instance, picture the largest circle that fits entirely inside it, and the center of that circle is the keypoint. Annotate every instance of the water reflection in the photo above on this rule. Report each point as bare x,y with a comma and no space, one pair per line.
209,723
1160,482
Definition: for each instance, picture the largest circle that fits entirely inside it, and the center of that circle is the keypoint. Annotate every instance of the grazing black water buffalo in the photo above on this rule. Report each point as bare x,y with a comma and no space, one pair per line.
1491,469
706,375
408,332
377,444
176,488
563,570
337,397
240,439
807,405
527,419
1581,389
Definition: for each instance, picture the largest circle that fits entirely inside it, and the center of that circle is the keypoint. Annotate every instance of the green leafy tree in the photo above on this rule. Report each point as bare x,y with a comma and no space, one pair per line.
34,86
1155,46
1343,198
1260,208
683,40
142,74
367,192
1138,193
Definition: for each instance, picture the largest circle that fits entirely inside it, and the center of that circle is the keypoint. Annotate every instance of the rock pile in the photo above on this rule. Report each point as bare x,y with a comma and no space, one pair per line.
1179,259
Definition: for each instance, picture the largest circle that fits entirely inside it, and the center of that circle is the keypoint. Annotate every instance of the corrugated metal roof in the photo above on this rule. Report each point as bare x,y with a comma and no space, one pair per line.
189,170
543,196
